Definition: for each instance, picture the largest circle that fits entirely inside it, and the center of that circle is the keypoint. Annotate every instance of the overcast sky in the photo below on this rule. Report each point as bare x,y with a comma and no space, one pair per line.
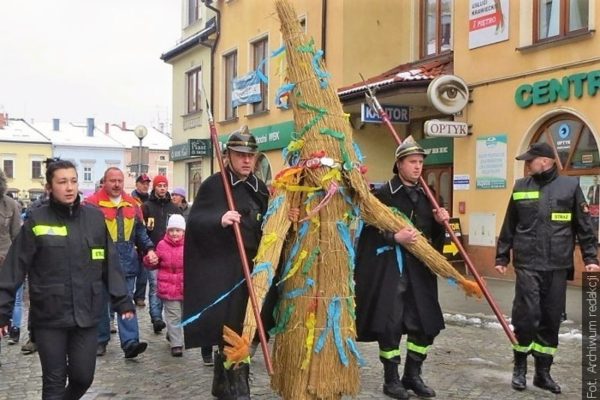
74,59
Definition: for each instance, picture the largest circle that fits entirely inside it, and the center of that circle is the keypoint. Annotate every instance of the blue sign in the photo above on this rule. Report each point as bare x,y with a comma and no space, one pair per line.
397,114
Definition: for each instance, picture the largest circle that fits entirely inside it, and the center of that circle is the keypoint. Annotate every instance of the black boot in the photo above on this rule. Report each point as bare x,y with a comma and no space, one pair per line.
392,386
519,380
412,377
542,378
220,385
238,381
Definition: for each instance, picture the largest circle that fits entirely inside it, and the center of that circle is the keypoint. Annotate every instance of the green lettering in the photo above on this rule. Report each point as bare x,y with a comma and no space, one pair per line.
577,80
523,96
559,89
593,82
541,92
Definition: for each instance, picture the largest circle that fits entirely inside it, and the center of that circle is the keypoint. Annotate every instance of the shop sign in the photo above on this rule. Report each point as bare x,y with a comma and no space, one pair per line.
490,169
191,148
396,114
450,250
437,128
269,137
439,150
551,90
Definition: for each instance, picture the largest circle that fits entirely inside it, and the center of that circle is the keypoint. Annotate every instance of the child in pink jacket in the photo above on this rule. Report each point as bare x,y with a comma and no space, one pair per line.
170,280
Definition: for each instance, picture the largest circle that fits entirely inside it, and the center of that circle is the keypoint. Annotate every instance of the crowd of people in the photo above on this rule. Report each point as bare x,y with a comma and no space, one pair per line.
110,249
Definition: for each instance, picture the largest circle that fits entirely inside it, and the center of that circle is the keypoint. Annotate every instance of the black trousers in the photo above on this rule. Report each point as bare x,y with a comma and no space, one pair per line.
66,353
405,321
537,308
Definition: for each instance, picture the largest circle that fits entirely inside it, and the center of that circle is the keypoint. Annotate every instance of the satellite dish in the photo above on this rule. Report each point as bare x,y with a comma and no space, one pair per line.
448,94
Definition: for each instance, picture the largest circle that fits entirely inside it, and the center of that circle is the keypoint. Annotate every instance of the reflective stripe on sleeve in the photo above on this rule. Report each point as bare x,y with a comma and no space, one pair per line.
40,230
526,195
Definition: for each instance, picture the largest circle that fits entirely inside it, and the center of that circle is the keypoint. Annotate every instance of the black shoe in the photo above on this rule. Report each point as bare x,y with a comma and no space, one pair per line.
158,325
207,360
542,378
412,378
101,350
140,303
392,386
29,347
134,349
14,335
519,378
176,351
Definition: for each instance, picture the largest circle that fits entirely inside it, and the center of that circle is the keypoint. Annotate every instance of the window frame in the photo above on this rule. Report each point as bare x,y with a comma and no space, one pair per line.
193,11
563,24
33,168
12,167
194,102
438,29
260,51
229,61
88,171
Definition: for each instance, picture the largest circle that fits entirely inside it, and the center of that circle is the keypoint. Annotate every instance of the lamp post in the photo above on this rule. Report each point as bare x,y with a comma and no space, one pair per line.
140,132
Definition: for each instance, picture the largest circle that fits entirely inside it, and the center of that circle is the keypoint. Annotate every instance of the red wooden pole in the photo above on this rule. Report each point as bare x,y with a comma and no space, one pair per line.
374,103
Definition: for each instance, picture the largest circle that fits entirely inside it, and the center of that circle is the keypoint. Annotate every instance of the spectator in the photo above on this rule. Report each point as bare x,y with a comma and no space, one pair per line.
123,220
157,211
178,197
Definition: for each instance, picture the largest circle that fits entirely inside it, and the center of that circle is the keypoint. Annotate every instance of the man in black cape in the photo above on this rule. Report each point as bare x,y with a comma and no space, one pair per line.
213,267
396,293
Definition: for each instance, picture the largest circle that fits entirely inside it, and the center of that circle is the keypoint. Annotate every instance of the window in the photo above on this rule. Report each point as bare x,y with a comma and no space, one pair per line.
193,11
162,171
194,89
436,27
162,158
87,174
230,61
559,18
8,166
36,169
259,52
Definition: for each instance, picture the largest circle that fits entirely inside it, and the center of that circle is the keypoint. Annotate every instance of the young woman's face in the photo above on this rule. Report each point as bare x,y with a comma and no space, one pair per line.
176,234
64,186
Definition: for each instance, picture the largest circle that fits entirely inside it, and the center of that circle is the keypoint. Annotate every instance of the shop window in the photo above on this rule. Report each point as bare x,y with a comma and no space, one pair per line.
436,27
555,19
263,169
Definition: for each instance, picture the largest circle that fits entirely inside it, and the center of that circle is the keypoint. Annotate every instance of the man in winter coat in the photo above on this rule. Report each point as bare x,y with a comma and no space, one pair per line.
545,213
140,193
123,220
212,261
396,294
157,211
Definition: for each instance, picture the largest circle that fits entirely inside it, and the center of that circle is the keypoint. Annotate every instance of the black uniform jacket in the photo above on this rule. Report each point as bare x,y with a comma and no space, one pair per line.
544,214
157,211
378,278
211,257
68,256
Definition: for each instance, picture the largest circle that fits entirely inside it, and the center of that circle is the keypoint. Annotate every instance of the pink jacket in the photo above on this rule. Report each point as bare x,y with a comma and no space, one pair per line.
170,269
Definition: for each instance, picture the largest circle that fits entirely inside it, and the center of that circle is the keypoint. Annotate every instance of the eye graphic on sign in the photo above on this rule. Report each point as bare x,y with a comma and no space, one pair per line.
564,131
448,94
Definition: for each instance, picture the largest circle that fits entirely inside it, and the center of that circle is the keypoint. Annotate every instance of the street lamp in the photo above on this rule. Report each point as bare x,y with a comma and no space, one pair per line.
140,132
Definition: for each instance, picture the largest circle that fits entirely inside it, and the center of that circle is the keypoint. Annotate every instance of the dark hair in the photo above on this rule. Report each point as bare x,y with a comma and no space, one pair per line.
54,163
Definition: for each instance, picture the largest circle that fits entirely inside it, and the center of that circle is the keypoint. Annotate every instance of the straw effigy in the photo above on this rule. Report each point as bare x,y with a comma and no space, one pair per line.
315,354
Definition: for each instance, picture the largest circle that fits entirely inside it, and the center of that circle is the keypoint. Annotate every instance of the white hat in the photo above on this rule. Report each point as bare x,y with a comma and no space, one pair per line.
176,221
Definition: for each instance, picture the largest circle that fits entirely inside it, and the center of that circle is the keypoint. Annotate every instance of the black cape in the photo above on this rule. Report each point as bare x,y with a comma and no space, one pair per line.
378,279
212,265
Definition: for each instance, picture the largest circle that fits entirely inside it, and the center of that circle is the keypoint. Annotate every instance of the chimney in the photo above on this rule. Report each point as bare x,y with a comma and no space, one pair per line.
90,127
124,125
106,128
3,120
55,124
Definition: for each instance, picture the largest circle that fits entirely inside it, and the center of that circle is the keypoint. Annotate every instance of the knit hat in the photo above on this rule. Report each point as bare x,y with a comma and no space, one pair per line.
160,179
176,221
179,191
142,178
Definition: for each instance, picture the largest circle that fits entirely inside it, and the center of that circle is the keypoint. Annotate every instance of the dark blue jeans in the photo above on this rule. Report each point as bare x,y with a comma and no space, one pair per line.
141,282
128,328
66,353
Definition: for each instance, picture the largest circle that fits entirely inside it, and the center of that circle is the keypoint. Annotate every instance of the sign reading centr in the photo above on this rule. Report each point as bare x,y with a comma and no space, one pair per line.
549,91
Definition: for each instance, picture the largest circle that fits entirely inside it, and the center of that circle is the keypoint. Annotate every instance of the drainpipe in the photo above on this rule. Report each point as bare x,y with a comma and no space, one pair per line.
213,49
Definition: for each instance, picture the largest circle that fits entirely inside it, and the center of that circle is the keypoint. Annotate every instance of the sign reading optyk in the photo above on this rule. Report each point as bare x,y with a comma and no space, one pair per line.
397,114
437,128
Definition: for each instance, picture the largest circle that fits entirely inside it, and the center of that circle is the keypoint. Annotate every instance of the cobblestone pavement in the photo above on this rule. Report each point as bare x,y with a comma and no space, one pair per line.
471,359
